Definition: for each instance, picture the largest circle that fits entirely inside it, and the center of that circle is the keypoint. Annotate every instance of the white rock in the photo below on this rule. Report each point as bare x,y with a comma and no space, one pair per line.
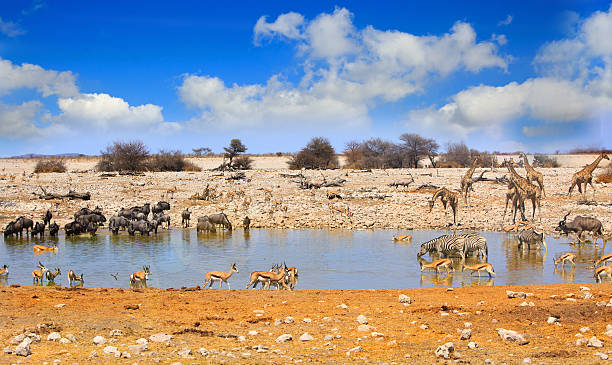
584,288
60,305
377,334
585,329
581,341
588,295
284,338
306,337
116,333
594,342
363,328
17,339
142,341
110,350
526,360
99,340
551,320
253,333
362,319
472,345
185,352
403,298
445,350
424,326
23,349
160,337
72,338
289,320
54,336
64,340
307,320
466,334
328,338
241,339
354,349
136,349
342,306
510,335
93,354
204,352
467,324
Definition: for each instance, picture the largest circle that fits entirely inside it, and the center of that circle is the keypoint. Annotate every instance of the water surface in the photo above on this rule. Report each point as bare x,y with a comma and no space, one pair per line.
325,259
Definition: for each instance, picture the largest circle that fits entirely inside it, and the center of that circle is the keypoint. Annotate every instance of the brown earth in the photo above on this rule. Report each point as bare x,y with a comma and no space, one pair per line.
212,319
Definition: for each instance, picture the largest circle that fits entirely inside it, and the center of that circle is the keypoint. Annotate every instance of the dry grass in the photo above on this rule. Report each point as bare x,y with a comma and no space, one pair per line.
52,165
606,176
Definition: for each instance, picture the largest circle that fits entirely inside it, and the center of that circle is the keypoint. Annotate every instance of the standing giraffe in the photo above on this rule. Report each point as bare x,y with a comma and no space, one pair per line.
446,196
513,195
466,180
532,174
585,176
525,189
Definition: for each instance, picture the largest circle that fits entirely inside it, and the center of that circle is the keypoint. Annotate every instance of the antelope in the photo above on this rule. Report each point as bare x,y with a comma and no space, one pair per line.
480,267
4,271
405,237
278,279
72,277
267,278
39,248
258,277
38,275
51,275
293,275
601,270
566,257
220,276
438,264
140,276
605,259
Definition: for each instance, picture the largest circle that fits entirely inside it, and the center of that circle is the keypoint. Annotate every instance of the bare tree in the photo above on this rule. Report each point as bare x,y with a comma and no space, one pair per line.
416,146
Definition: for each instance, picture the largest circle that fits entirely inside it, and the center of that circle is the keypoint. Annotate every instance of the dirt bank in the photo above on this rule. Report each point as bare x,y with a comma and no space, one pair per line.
368,196
215,320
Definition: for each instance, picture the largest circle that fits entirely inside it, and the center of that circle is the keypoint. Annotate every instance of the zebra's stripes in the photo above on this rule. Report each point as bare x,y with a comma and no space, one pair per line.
475,243
446,245
531,236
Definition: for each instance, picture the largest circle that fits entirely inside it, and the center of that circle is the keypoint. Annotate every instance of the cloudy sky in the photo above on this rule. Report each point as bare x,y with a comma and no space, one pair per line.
506,76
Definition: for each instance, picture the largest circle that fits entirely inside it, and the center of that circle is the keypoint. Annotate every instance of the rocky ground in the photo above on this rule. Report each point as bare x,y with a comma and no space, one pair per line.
367,195
555,324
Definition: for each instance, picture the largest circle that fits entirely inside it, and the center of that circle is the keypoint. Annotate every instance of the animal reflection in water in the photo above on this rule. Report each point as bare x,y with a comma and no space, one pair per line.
444,272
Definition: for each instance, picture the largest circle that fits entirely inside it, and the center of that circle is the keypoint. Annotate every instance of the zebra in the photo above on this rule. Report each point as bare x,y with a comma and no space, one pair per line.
475,243
531,236
445,245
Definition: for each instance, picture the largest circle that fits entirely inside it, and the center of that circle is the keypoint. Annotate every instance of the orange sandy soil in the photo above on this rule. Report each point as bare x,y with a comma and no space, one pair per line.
209,318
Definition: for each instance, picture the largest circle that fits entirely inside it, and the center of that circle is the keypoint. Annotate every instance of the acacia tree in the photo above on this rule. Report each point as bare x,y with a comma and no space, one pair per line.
124,156
235,148
416,146
318,154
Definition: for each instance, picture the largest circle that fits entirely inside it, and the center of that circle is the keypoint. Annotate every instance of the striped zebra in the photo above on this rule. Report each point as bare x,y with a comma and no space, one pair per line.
531,236
445,245
475,243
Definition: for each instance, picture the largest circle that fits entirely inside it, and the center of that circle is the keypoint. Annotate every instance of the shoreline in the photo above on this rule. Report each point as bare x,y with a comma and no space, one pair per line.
244,325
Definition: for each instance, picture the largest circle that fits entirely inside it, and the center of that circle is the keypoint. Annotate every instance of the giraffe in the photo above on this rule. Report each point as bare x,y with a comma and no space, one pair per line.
466,180
532,174
585,176
525,189
446,196
512,195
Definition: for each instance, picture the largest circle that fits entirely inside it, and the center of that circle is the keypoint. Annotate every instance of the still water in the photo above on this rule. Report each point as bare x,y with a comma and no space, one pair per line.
325,259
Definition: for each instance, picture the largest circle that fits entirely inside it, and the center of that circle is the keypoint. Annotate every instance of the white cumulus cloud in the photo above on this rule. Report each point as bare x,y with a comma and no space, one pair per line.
28,76
286,25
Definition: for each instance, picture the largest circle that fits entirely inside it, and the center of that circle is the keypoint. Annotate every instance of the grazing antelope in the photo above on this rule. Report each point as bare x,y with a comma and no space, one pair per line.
437,265
405,237
140,276
40,249
51,275
604,259
72,277
480,267
566,257
39,274
603,270
4,271
220,276
293,275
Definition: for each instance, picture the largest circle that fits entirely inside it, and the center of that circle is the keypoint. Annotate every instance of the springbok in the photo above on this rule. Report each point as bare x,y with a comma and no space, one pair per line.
257,277
220,276
51,275
39,274
267,277
437,265
140,276
565,257
40,248
404,237
601,270
480,267
72,277
4,271
604,259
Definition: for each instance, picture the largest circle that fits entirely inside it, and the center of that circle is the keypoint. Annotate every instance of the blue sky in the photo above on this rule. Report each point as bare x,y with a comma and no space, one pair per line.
74,75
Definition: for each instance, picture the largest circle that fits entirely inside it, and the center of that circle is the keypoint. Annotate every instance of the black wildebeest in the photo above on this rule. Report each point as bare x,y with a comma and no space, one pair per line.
161,218
186,215
205,226
220,219
53,229
115,223
26,223
73,228
581,224
160,207
144,209
9,230
39,229
47,217
246,222
143,227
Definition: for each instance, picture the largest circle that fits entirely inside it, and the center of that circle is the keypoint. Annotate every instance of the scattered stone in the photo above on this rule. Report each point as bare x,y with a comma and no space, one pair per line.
64,340
284,338
403,298
581,341
203,351
585,288
142,341
445,350
585,329
467,324
552,320
8,350
185,352
137,349
93,354
326,319
60,305
594,342
99,340
362,319
307,320
72,338
289,320
510,335
110,350
259,311
306,337
328,338
515,294
278,322
472,345
353,350
241,339
342,306
126,355
253,333
116,333
160,337
526,360
588,295
450,289
424,326
17,339
363,328
246,355
466,334
54,336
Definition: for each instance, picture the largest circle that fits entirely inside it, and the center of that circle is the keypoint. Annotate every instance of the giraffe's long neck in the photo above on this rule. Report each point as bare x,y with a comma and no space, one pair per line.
589,169
470,172
526,162
517,178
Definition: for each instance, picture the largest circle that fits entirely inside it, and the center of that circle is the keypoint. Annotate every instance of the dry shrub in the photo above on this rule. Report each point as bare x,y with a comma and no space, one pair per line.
544,161
318,154
52,165
171,161
124,156
606,176
243,163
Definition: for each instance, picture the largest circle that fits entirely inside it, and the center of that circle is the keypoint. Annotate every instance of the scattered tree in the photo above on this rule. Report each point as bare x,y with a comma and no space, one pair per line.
202,151
124,156
50,165
235,148
171,161
318,154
